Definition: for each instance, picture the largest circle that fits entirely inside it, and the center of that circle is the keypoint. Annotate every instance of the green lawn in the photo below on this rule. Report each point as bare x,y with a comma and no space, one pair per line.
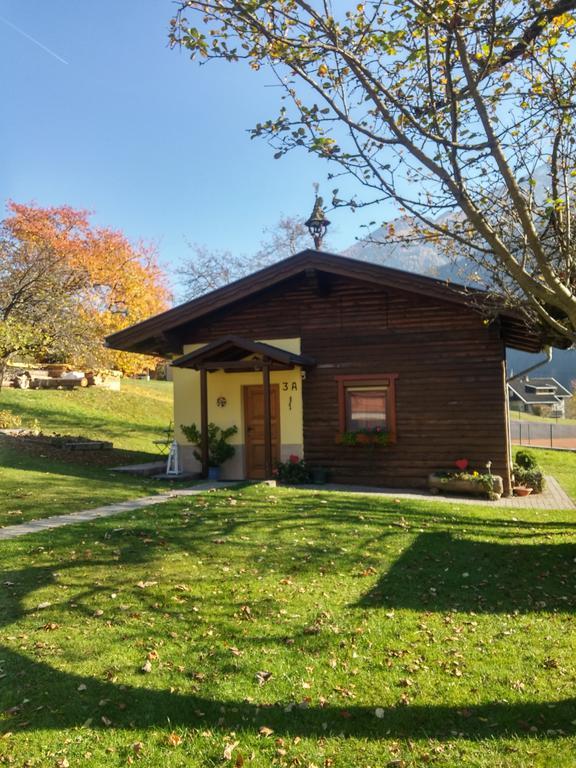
292,628
34,488
37,484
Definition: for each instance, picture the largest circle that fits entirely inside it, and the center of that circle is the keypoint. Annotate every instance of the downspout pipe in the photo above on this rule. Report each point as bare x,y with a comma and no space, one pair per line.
548,352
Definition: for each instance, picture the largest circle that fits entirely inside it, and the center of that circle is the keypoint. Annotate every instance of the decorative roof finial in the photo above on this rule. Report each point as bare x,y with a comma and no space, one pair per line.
317,223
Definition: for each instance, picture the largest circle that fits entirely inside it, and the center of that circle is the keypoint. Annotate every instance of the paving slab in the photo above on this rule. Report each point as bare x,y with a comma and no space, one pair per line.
148,468
553,497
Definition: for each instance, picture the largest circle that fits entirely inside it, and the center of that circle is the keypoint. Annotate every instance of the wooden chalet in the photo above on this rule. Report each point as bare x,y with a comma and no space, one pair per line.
318,355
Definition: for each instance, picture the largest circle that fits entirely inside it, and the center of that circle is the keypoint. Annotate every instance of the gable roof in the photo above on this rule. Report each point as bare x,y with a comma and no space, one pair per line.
524,390
147,335
235,348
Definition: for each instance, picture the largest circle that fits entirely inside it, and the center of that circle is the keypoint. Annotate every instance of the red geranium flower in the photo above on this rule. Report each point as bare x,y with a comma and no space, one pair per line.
294,459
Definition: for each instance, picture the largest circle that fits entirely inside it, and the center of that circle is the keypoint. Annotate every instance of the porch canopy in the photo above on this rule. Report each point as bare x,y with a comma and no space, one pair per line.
237,354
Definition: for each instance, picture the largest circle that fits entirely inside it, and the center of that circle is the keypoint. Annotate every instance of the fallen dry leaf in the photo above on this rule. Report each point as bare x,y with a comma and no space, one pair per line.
229,748
246,613
265,731
146,584
146,667
263,677
174,739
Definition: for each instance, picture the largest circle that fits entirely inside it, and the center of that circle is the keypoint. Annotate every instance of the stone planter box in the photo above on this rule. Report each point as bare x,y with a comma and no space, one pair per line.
438,483
65,443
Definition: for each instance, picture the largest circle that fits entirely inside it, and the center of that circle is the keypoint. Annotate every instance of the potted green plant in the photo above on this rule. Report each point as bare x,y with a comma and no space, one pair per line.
219,449
292,472
527,474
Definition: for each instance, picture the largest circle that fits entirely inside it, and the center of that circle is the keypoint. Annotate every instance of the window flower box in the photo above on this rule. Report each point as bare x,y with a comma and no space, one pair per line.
363,437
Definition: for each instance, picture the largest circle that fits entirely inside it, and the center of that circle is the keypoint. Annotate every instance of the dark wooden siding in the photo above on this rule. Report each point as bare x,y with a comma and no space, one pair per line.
450,390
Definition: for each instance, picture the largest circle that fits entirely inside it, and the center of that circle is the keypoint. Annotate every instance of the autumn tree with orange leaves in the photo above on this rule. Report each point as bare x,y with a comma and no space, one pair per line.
65,284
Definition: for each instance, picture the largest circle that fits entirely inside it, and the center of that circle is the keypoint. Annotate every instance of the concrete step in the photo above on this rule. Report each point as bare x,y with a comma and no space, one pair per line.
147,469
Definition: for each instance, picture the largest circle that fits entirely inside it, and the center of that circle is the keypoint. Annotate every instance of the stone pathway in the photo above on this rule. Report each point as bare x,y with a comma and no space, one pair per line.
554,497
57,521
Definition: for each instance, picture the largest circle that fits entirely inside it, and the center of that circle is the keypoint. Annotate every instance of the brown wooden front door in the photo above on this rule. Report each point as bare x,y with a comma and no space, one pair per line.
254,429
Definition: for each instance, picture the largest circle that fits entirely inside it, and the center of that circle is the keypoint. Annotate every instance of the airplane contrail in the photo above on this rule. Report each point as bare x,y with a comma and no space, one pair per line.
33,39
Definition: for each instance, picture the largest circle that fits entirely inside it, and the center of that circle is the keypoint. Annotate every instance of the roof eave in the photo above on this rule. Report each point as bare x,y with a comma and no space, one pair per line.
273,353
147,335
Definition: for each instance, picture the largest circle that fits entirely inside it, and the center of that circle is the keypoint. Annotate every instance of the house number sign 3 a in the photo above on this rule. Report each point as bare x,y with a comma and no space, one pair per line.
289,386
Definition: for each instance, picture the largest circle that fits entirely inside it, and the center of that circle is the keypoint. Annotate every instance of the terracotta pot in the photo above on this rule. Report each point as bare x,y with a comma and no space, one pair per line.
521,490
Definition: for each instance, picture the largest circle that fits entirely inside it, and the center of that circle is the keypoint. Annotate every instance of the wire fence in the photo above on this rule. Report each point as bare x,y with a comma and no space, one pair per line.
543,435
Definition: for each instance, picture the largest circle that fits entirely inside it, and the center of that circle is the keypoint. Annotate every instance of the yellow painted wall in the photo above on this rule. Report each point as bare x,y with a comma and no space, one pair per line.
229,385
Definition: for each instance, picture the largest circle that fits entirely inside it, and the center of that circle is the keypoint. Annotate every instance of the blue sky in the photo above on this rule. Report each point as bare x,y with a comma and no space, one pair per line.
154,144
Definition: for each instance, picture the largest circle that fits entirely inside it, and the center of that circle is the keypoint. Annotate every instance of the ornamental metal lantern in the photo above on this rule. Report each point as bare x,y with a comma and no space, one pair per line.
317,223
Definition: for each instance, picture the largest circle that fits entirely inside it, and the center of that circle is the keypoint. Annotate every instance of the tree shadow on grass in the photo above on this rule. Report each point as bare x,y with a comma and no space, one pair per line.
37,696
55,702
439,572
142,707
434,512
32,453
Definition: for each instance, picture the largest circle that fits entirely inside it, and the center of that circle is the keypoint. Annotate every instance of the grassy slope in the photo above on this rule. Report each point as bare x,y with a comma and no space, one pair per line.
35,487
401,634
131,418
516,416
